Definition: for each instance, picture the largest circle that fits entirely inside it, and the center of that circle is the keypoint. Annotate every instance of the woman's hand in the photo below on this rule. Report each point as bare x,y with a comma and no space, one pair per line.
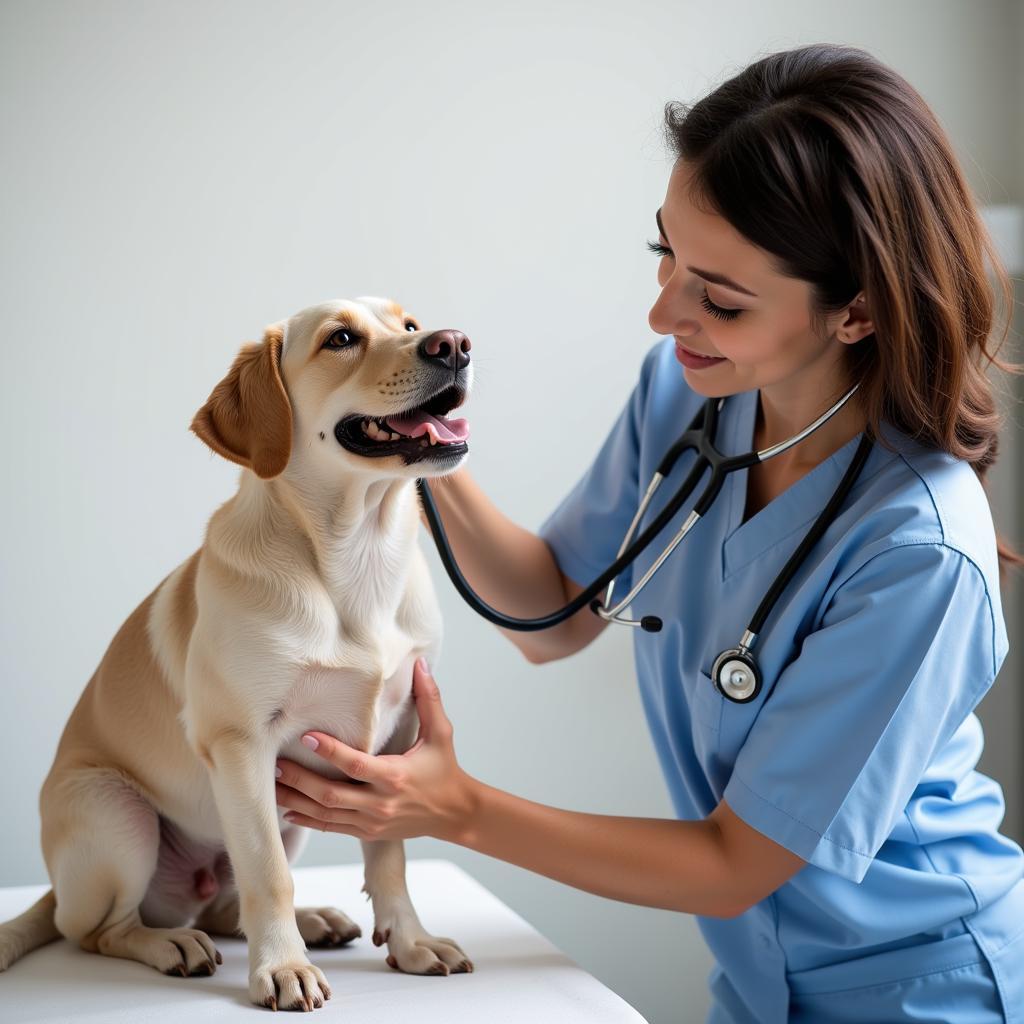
422,792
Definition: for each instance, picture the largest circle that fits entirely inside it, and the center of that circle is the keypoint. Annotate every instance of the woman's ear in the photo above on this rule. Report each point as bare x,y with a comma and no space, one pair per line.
248,418
856,322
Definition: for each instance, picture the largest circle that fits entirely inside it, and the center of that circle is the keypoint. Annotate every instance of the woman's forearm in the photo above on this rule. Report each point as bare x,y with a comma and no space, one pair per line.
674,865
512,569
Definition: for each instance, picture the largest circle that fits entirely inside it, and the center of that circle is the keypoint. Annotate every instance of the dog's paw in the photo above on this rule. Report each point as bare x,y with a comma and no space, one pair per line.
180,952
325,926
298,985
421,953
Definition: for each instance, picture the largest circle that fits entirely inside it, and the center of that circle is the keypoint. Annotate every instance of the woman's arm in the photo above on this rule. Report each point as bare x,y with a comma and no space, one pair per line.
512,569
716,867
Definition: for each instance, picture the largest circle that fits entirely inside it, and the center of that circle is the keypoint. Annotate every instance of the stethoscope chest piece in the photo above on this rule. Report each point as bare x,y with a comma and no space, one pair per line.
736,676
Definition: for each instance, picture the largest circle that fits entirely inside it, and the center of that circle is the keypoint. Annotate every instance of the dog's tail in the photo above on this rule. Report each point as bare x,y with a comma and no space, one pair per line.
27,931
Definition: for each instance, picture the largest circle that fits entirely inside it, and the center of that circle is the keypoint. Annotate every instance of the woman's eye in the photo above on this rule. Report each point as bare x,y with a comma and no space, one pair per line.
411,327
719,312
341,339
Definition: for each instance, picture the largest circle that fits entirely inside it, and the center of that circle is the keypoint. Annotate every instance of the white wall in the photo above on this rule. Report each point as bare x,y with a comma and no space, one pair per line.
176,176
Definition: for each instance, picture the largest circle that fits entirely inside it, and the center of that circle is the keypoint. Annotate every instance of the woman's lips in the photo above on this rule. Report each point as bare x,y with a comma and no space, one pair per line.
694,361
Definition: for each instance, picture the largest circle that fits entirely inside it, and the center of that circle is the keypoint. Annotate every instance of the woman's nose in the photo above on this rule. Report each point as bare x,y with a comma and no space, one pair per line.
668,317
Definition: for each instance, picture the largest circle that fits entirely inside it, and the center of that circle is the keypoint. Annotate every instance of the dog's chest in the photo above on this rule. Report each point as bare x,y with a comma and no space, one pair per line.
362,703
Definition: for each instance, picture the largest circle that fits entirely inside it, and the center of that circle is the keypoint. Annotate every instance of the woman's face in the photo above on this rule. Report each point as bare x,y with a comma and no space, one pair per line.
720,296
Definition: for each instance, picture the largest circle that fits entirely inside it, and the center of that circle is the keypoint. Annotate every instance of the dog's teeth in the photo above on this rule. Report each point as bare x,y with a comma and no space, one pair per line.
433,440
379,433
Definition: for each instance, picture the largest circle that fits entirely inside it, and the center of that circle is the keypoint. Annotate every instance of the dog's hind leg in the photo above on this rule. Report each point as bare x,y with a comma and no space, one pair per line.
33,928
101,839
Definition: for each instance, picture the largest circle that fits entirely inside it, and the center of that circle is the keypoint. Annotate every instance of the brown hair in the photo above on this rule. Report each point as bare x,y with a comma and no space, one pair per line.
832,162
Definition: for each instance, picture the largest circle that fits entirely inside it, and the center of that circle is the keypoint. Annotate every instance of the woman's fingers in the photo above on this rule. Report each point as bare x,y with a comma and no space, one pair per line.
356,764
321,792
296,801
343,827
433,720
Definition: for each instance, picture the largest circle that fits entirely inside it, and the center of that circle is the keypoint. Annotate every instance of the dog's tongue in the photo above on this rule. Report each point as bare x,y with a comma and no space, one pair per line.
418,422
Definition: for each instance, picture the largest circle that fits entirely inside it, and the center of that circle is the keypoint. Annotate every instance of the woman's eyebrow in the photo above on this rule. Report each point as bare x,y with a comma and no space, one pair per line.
708,275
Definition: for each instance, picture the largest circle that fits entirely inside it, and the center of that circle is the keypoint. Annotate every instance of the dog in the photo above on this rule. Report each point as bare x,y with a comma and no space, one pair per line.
305,608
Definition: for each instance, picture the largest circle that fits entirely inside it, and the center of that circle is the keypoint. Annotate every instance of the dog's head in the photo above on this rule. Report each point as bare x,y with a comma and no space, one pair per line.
355,380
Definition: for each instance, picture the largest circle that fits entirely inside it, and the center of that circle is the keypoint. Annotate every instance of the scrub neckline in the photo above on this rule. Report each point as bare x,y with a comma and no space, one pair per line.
796,507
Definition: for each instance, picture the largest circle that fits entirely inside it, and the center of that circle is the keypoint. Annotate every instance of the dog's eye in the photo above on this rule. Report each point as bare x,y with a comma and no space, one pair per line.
341,339
410,326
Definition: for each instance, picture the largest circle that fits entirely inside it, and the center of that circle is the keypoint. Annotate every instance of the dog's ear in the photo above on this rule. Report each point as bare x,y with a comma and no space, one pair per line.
248,418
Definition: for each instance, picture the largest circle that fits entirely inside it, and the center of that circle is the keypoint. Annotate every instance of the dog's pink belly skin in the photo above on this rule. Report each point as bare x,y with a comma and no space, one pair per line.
189,875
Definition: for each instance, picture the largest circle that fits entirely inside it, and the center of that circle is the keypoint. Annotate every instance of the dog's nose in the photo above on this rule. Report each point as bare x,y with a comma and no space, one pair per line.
446,348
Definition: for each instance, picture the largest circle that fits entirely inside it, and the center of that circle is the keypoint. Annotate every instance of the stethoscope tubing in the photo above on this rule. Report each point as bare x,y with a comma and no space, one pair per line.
625,559
721,465
821,524
699,435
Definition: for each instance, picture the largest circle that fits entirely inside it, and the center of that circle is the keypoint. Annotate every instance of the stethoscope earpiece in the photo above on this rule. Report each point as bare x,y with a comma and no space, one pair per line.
736,675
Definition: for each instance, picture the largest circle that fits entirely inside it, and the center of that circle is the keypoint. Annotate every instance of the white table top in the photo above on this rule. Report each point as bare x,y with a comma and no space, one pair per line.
518,975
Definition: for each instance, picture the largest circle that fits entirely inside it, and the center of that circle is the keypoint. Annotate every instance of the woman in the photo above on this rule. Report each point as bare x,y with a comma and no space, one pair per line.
842,855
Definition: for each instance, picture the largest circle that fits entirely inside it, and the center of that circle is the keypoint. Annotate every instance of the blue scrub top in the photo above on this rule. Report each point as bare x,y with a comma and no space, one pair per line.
859,753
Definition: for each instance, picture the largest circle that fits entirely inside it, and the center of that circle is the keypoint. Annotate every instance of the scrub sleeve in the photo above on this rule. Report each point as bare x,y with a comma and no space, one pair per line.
889,669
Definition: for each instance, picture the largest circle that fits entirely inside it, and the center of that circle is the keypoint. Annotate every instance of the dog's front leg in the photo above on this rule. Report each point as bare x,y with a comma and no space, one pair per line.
242,773
411,947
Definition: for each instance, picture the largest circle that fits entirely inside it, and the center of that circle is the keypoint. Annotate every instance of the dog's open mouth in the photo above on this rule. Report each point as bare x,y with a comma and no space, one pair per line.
424,432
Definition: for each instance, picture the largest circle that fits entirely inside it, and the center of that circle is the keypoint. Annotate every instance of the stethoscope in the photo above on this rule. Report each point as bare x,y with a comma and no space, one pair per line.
735,672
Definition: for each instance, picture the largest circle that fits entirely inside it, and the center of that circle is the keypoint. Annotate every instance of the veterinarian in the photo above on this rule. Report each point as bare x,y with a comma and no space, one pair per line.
839,850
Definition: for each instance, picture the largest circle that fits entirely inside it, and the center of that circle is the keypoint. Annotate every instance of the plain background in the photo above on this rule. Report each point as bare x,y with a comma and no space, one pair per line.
175,176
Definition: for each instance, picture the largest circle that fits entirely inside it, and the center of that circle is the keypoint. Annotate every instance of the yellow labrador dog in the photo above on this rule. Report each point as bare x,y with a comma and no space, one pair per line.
305,608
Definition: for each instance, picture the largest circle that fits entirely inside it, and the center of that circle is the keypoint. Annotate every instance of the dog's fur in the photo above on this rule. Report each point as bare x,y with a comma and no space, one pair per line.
305,608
